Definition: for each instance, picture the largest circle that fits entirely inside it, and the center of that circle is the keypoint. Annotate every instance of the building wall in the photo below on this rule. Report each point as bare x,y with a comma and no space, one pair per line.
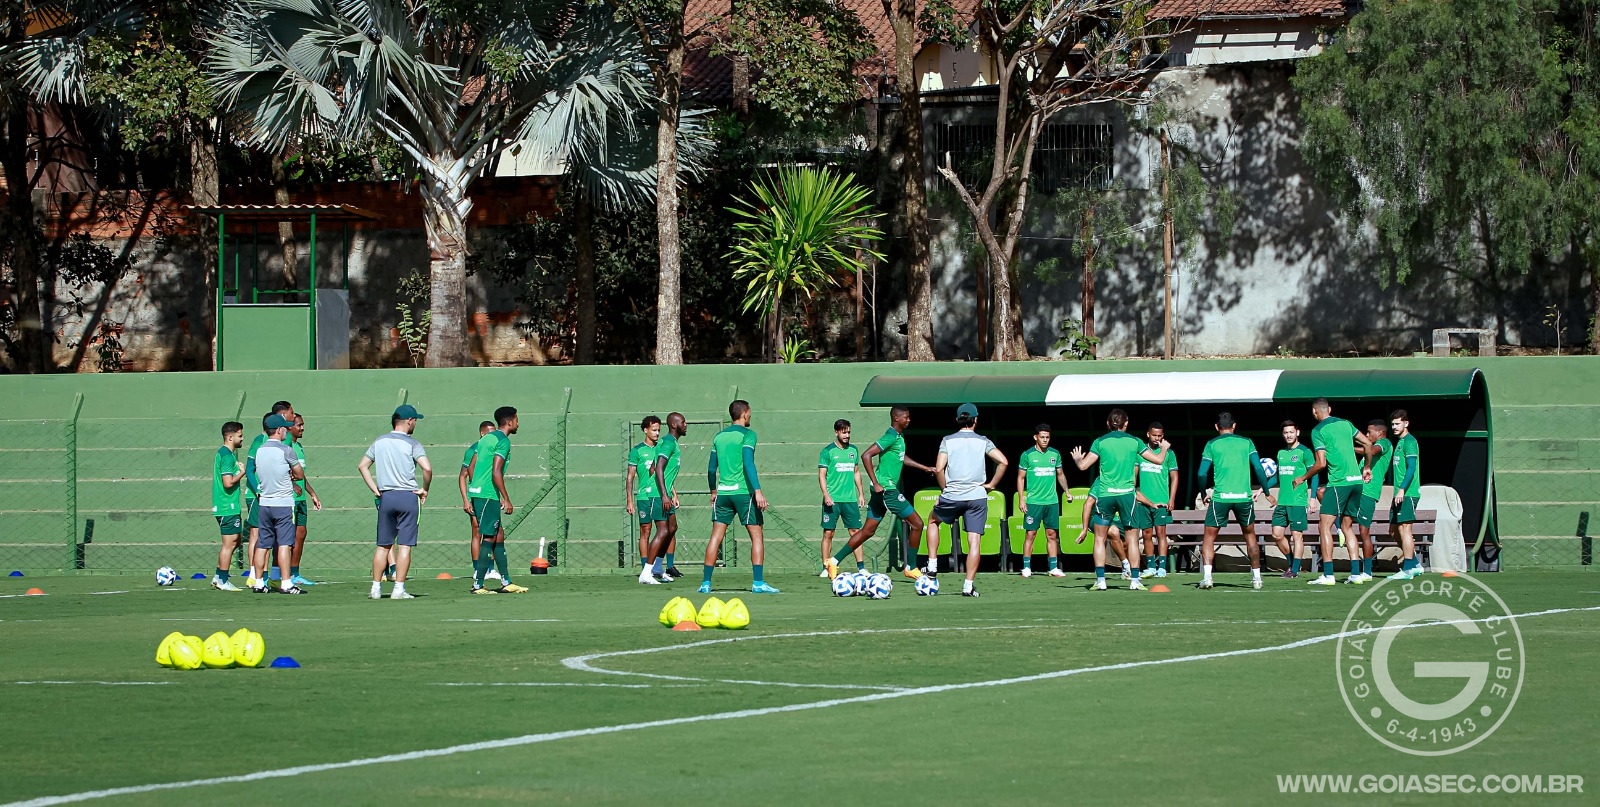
1213,42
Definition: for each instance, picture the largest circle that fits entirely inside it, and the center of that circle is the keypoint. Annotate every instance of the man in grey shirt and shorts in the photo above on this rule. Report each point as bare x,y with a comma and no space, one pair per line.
964,493
276,468
395,457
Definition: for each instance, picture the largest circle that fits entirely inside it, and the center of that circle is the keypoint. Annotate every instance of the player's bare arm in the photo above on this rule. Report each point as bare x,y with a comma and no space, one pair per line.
628,494
427,478
466,473
869,462
500,484
1000,465
364,467
822,482
1086,459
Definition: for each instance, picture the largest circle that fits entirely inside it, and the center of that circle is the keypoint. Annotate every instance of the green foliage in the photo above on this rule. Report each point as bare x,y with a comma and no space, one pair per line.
803,52
938,21
154,90
1095,218
1074,343
796,350
805,230
414,316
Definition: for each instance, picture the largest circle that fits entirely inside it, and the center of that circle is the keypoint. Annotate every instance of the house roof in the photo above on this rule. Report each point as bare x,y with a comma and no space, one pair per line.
1214,9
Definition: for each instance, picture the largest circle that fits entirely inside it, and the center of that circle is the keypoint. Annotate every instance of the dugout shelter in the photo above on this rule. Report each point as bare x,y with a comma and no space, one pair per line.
1449,413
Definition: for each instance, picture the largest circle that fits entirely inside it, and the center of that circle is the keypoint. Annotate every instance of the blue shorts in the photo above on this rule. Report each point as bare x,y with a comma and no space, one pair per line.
397,517
277,526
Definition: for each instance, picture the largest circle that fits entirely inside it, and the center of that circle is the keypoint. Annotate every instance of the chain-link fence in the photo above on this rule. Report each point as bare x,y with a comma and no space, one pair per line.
1547,483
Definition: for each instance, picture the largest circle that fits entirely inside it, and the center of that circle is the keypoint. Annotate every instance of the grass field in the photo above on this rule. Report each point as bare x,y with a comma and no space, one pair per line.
448,669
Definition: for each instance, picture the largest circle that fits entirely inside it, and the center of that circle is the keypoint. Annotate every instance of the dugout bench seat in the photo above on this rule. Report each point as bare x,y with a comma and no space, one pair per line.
1188,528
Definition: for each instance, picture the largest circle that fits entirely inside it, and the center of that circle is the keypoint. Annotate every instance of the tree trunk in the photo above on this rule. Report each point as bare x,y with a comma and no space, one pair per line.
33,345
775,333
1087,234
913,191
1169,343
1592,254
980,313
280,195
205,190
669,311
741,86
583,276
445,206
861,323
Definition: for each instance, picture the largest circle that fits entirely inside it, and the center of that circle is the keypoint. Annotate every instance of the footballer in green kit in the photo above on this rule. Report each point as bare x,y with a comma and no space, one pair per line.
644,498
488,501
1118,454
669,460
839,476
1404,472
1291,497
883,462
736,493
475,541
303,493
1334,441
1041,475
226,475
1376,470
1156,497
1231,461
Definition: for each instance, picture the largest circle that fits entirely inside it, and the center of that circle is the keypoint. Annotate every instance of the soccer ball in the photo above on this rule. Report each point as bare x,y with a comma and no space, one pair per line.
165,576
879,586
843,587
1269,465
858,582
927,586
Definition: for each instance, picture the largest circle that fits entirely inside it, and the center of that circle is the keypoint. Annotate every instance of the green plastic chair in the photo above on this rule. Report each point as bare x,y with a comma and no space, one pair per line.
1071,522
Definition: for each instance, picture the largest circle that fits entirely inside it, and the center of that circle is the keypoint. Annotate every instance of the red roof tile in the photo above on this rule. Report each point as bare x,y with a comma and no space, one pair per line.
1169,9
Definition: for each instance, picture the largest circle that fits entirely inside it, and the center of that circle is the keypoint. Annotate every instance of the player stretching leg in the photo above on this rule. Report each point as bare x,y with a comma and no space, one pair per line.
1333,440
839,476
644,498
395,457
226,475
1118,454
1232,460
1290,498
1407,490
883,461
1157,495
668,460
1375,469
490,500
736,491
963,492
1039,477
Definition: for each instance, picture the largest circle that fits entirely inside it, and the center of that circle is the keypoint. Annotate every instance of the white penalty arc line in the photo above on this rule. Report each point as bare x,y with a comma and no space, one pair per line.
553,736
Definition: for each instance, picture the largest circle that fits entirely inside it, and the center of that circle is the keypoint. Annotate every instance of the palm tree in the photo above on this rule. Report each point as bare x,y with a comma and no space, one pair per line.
805,230
452,85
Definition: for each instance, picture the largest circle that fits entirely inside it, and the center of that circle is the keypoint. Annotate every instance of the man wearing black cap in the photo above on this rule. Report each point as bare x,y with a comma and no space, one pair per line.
276,469
964,493
396,456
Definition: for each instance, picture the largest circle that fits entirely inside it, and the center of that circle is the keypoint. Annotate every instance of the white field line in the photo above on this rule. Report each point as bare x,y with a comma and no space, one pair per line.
553,736
101,683
501,620
540,684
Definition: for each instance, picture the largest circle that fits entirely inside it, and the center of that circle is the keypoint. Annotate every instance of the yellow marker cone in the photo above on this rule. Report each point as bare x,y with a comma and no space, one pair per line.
186,652
735,616
217,652
164,650
667,611
250,653
710,613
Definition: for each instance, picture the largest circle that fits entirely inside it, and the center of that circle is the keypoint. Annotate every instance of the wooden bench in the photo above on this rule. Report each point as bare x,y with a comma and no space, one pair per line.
1188,527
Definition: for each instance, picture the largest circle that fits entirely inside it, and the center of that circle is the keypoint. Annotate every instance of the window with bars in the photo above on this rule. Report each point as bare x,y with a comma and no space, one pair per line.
1067,154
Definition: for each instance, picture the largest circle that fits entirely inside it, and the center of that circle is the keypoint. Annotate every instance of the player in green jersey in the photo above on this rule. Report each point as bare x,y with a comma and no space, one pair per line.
736,491
1334,441
644,498
285,409
226,475
839,476
1231,461
488,500
1040,477
303,492
1376,468
1404,472
475,542
1118,454
883,461
1157,496
1290,497
668,461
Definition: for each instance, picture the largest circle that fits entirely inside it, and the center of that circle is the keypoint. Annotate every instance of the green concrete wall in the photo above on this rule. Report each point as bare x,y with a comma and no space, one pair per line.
143,443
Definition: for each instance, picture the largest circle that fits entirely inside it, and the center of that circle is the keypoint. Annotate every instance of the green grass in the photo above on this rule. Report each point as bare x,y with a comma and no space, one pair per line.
1210,731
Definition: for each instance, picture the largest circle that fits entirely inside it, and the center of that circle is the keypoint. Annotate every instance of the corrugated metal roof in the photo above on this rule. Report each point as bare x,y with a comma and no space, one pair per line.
287,212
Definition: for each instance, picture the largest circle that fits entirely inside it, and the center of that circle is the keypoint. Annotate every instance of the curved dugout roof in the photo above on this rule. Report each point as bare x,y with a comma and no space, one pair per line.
1227,386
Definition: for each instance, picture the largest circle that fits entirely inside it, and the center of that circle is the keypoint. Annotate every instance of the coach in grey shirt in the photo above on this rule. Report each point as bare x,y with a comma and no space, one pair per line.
277,468
960,470
396,456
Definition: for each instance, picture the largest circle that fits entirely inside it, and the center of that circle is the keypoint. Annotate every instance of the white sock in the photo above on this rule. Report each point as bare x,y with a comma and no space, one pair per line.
1125,566
376,589
1255,573
966,585
1205,572
933,565
399,588
284,584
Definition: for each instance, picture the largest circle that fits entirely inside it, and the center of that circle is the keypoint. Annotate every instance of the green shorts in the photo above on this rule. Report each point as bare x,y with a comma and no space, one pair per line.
1114,509
889,502
1366,510
1292,516
1405,513
667,510
487,512
742,505
1047,516
229,525
1341,501
1217,513
250,513
1148,518
301,509
849,512
650,510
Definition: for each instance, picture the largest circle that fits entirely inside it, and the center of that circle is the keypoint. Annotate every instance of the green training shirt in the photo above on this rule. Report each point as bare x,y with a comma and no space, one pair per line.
1119,456
643,460
251,452
893,459
1040,468
667,448
1336,439
225,500
299,487
1231,457
1404,449
1380,467
1293,462
491,445
1155,481
841,475
728,447
466,456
